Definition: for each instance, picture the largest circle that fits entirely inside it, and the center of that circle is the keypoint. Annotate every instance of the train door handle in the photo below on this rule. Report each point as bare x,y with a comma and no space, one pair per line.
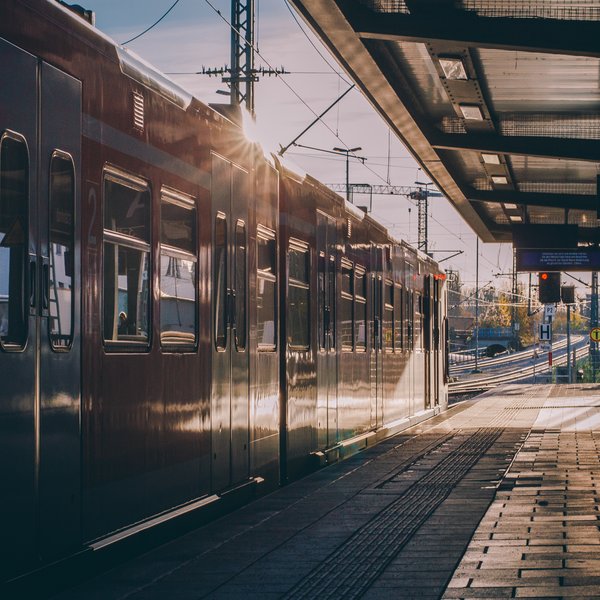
45,286
231,308
32,284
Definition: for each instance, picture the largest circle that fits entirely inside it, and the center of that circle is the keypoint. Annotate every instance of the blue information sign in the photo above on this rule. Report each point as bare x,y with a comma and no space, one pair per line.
556,259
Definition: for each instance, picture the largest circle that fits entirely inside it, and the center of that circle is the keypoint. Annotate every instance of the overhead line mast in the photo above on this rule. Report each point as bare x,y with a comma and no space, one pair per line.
241,75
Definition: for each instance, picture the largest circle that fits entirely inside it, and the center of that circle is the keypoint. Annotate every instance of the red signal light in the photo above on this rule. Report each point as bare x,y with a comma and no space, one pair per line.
549,287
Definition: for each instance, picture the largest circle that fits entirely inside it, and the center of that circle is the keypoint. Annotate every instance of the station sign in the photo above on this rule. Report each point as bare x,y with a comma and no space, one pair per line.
545,332
595,334
557,259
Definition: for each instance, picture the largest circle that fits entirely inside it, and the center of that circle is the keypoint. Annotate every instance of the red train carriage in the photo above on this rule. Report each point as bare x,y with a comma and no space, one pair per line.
362,339
179,315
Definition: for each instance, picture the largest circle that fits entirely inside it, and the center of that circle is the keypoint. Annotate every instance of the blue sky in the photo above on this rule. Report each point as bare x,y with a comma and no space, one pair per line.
193,35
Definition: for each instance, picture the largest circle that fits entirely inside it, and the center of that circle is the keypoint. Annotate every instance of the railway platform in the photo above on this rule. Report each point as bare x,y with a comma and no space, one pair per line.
495,498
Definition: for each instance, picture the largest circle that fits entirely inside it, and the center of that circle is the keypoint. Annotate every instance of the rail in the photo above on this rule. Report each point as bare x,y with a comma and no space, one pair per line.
483,362
486,383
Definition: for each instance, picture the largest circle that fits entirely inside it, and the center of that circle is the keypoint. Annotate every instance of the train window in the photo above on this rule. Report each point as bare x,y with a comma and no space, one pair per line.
436,314
266,290
409,320
418,323
322,300
388,316
298,333
331,302
398,318
360,310
427,324
178,270
240,285
14,228
326,300
126,259
61,245
220,281
346,308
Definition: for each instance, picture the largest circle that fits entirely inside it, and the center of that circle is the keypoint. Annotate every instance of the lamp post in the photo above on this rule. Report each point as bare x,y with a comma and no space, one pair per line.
347,152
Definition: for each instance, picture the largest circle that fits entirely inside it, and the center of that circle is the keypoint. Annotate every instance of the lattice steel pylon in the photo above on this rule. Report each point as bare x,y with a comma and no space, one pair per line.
422,198
242,75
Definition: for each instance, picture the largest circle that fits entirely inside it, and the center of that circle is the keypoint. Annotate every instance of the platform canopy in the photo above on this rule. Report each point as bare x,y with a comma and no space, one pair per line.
498,100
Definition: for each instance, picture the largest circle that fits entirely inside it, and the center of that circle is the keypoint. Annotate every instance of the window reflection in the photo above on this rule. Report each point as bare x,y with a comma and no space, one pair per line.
388,317
298,298
240,285
266,288
178,264
177,300
360,326
126,259
14,198
220,282
346,308
60,289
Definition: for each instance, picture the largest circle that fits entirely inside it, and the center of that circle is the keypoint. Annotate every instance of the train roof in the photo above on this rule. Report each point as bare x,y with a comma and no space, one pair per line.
130,63
143,72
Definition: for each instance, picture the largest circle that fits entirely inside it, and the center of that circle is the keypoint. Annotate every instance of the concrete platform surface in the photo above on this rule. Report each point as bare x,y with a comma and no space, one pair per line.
496,498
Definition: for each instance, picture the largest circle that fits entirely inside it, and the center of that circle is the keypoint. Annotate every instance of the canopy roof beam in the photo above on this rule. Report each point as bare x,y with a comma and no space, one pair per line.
567,201
549,147
580,38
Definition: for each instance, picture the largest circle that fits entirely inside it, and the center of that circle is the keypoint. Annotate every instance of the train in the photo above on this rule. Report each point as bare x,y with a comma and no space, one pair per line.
182,315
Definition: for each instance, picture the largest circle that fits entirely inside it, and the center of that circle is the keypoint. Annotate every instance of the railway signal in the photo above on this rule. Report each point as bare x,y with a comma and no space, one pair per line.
549,287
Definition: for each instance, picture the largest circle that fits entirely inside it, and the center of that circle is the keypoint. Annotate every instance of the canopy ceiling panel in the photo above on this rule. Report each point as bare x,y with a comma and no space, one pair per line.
499,100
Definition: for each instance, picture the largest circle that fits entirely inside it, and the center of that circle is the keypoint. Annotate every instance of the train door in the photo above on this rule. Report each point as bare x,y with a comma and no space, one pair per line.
39,351
427,346
327,367
59,296
410,344
230,375
436,341
377,337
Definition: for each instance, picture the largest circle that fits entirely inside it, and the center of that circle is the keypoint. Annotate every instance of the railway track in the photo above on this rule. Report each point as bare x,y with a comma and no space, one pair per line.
508,376
460,367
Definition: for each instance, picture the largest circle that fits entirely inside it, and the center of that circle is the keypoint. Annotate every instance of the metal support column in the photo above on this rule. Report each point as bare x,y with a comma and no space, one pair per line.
476,369
515,292
569,374
594,324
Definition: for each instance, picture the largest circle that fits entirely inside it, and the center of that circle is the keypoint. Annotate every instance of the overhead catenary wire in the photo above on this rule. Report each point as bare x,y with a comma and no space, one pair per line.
294,92
328,73
334,70
139,35
279,75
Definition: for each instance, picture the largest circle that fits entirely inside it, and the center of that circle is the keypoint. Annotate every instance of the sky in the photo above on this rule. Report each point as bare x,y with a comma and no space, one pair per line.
193,35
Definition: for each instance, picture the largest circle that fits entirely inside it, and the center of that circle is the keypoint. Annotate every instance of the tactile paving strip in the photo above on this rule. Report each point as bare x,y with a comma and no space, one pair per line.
359,561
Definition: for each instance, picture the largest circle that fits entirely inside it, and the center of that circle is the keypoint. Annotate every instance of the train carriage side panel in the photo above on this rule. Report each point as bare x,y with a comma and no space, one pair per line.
263,294
297,243
354,387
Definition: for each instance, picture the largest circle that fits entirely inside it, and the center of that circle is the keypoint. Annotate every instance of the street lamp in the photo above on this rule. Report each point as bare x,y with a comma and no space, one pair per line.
347,152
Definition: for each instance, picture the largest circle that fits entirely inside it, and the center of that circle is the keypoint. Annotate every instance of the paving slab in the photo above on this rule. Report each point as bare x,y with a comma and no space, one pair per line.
497,498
